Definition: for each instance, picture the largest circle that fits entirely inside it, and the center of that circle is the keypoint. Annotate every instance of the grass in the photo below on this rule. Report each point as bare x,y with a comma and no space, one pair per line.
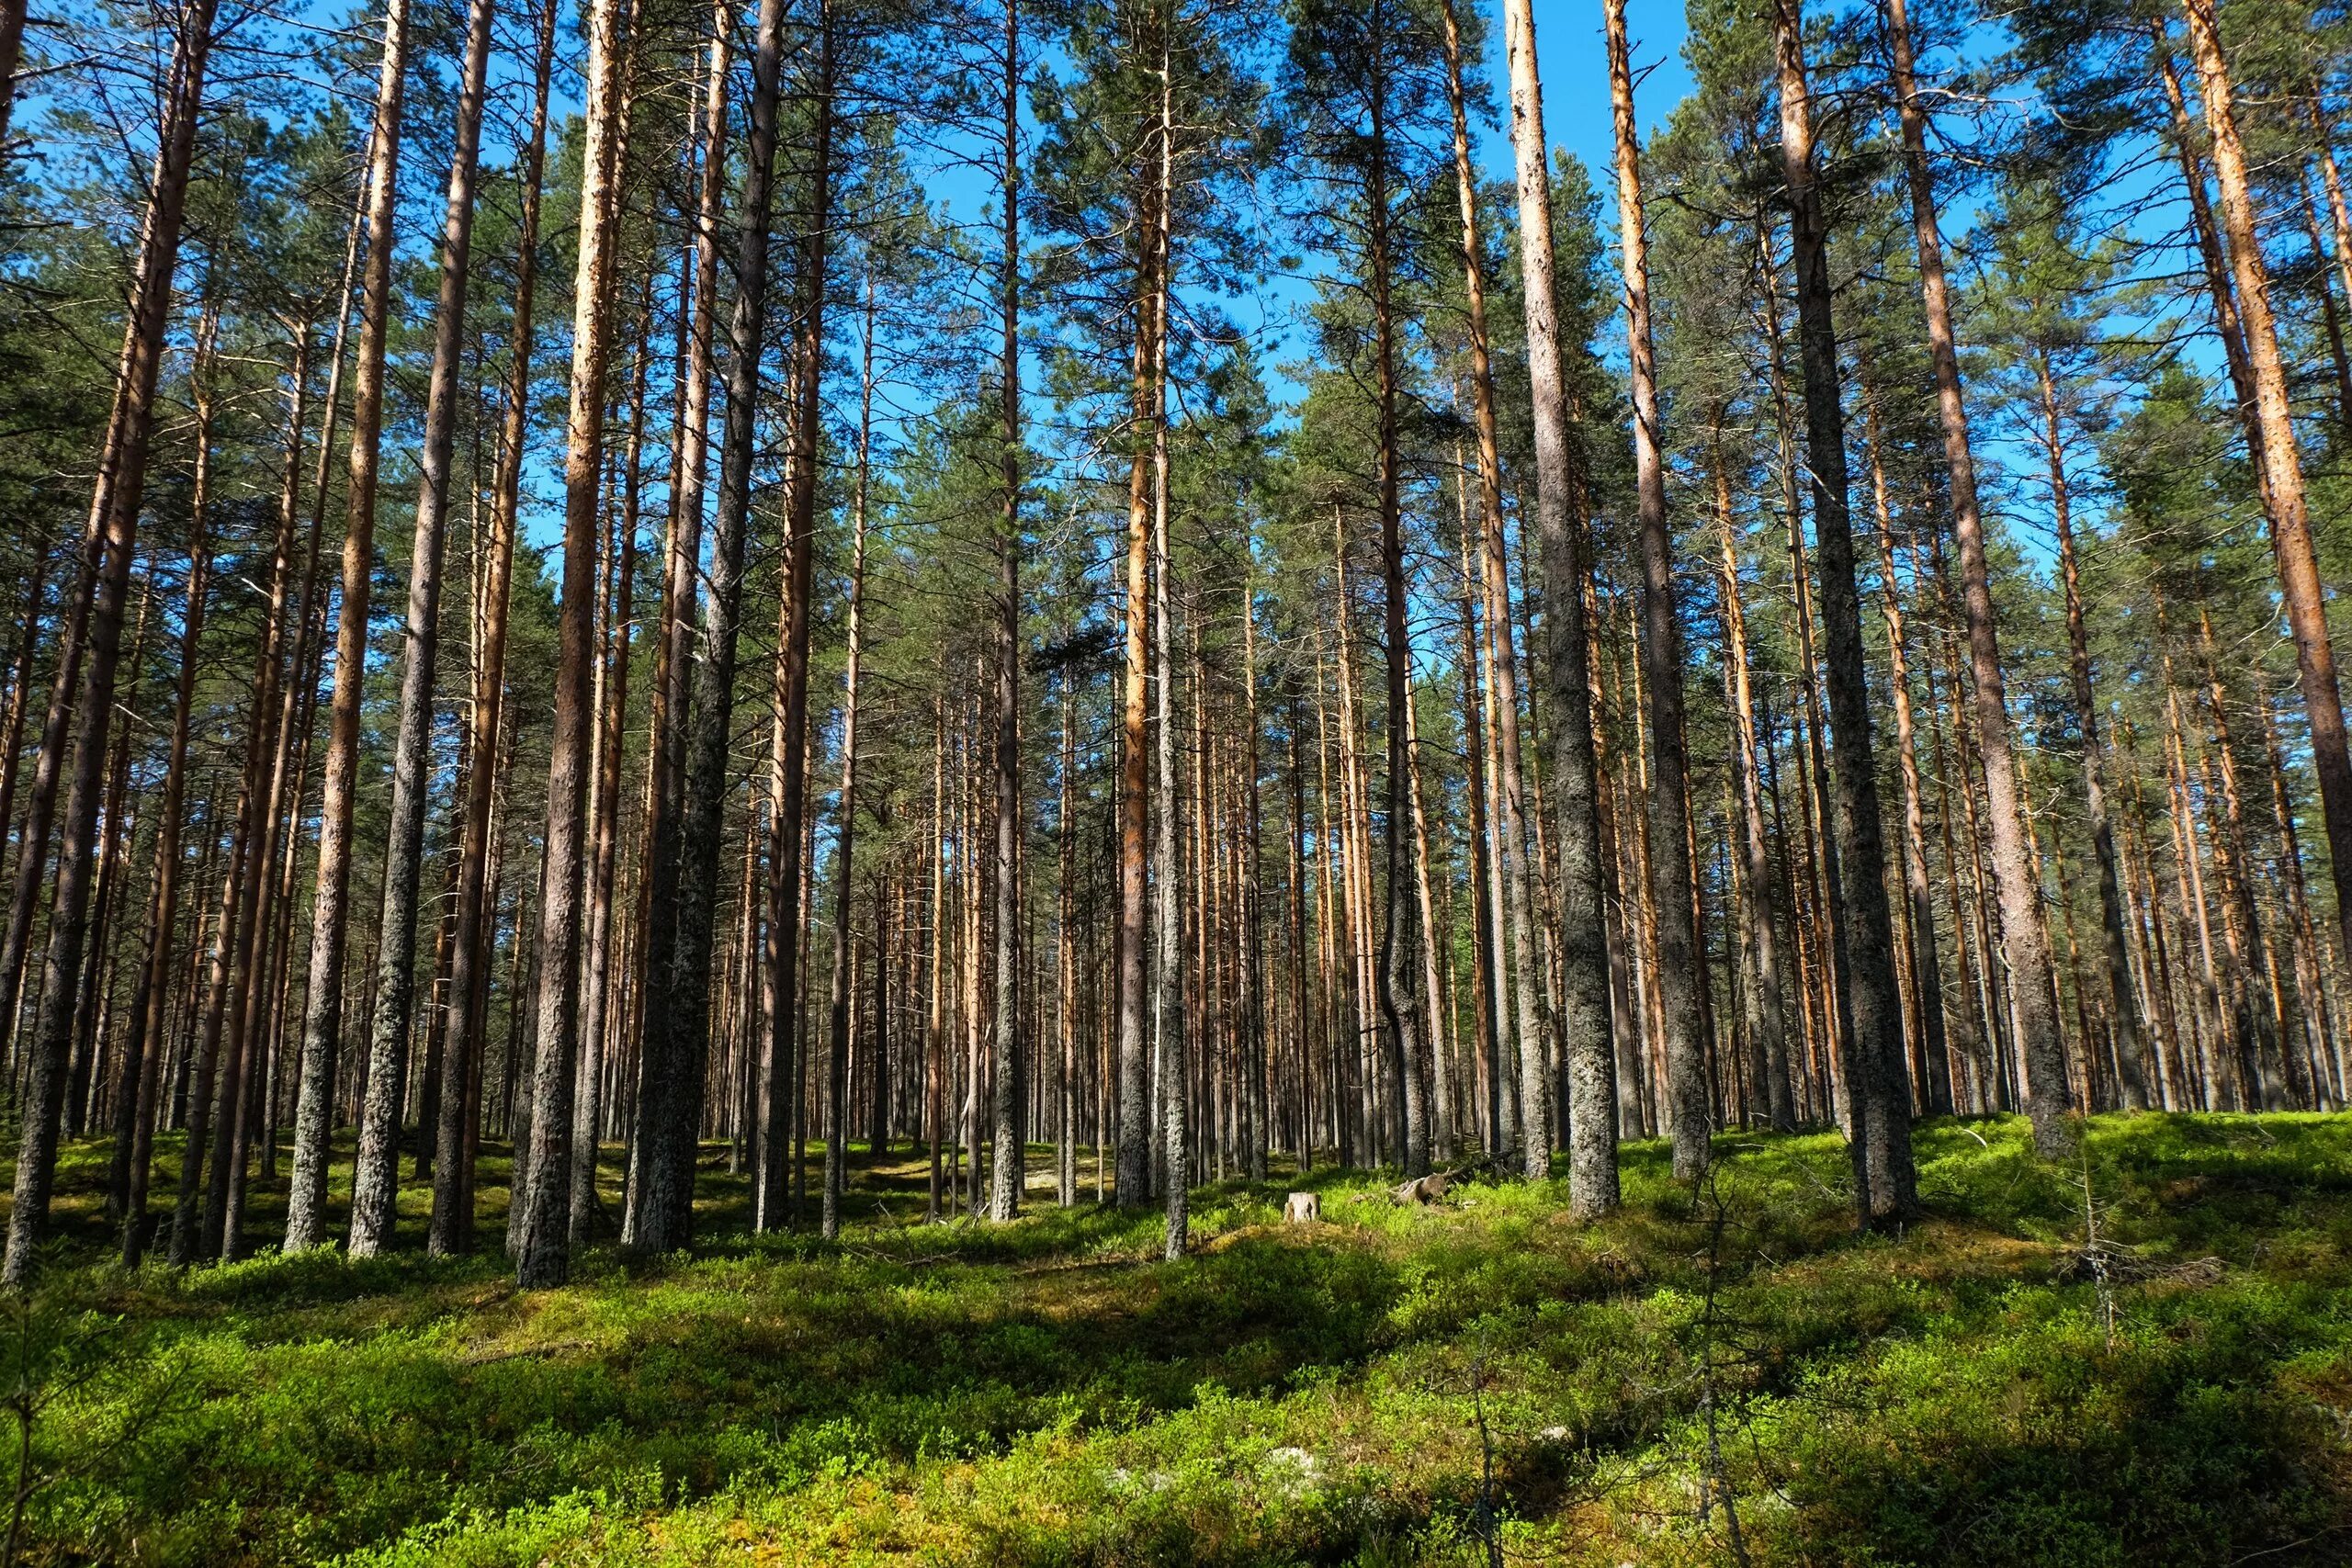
1048,1393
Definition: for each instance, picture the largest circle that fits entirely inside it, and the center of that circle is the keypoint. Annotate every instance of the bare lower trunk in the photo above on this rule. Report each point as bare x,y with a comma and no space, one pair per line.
1584,951
122,486
2015,874
1864,935
375,1181
543,1243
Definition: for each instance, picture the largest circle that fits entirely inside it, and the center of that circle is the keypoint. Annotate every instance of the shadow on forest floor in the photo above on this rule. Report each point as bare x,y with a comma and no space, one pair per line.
1982,1388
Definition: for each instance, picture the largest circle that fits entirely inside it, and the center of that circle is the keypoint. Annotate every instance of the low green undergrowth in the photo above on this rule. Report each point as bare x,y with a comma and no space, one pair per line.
1721,1374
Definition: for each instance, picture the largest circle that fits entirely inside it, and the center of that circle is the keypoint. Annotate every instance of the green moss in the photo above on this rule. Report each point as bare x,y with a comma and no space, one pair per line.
1050,1393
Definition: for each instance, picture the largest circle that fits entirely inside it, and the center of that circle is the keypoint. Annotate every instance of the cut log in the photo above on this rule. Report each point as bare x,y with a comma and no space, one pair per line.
1422,1188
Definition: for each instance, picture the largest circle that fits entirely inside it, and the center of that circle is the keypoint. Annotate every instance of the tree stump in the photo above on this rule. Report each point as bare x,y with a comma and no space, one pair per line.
1303,1209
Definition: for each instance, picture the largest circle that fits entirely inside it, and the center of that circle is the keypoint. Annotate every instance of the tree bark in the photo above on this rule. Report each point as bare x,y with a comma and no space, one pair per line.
543,1245
1585,1011
2281,462
375,1181
1884,1181
122,485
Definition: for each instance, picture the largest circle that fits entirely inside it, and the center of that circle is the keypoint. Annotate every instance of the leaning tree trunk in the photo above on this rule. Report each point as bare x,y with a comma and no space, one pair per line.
450,1229
376,1182
2281,462
1670,890
122,486
543,1245
323,998
1584,1023
1863,933
2016,873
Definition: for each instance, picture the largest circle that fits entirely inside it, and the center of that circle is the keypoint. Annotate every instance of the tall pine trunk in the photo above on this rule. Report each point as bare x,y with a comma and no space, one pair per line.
122,486
2016,873
1670,890
450,1229
1005,1176
2281,462
1864,938
323,1003
376,1182
1584,1023
674,1049
543,1242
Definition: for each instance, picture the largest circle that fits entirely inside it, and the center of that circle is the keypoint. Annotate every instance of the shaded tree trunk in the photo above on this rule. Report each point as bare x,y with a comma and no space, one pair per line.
1884,1181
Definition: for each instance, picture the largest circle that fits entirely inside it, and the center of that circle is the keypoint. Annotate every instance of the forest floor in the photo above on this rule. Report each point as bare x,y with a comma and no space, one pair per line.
2158,1374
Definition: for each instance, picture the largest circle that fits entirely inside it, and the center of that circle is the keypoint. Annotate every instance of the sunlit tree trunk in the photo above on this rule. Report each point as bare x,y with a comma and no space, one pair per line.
543,1244
2281,461
122,485
1584,1022
375,1181
323,1005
